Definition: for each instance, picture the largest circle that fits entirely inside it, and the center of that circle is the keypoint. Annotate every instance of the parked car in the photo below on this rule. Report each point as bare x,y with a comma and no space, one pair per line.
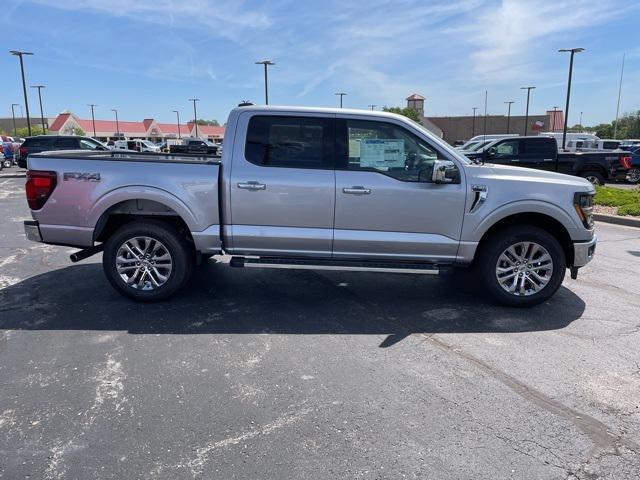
45,143
317,189
472,142
630,144
195,146
136,145
634,171
541,152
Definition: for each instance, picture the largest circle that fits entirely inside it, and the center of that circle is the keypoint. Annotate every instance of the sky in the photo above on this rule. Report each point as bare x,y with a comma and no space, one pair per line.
148,57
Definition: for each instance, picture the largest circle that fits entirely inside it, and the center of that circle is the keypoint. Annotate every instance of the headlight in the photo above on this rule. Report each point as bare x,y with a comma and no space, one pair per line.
583,203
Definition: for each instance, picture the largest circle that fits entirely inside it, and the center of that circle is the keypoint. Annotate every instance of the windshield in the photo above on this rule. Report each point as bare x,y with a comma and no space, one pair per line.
147,143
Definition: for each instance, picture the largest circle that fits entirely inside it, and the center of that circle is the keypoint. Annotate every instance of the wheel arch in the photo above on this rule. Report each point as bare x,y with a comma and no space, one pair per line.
537,219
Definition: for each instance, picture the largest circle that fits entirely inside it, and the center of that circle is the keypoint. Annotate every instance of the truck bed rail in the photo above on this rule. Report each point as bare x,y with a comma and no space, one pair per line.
130,156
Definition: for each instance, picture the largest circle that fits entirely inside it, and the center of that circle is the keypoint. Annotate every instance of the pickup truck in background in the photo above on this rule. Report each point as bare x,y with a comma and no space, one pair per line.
195,146
310,188
541,152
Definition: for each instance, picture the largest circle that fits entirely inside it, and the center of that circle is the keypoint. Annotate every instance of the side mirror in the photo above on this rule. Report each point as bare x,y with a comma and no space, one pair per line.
490,152
444,171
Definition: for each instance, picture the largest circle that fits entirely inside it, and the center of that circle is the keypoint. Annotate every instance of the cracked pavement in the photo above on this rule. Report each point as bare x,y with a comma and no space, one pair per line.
299,374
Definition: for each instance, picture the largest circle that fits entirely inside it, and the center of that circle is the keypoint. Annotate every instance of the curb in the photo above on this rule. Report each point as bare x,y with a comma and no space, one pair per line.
617,220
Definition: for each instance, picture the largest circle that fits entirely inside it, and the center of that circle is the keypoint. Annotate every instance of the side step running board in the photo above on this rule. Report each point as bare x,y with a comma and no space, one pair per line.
340,265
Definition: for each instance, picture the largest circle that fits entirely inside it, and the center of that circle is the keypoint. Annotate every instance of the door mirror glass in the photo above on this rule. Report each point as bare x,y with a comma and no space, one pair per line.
444,171
491,151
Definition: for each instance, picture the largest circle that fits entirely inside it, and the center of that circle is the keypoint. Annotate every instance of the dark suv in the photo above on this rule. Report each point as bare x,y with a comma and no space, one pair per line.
45,143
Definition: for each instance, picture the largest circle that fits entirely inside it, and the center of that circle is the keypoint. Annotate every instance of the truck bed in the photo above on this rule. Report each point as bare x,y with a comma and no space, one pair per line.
91,185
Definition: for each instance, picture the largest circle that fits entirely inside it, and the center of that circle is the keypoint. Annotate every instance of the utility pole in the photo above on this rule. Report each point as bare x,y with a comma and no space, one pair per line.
573,51
195,113
615,125
40,87
93,118
117,123
372,107
581,119
266,64
178,117
341,94
509,113
473,123
13,115
526,115
24,84
486,93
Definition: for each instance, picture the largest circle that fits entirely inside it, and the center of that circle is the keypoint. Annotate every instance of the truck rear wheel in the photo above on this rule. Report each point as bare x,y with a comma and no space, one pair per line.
596,178
147,260
522,265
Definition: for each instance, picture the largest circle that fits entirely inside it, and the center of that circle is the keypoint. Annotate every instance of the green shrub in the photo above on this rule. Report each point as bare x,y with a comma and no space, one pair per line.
627,201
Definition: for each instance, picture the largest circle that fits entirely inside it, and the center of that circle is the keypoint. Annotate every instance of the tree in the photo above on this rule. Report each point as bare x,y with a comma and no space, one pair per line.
212,123
23,132
408,112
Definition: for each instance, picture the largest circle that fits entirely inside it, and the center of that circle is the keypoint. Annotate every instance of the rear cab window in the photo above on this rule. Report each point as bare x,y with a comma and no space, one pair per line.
290,141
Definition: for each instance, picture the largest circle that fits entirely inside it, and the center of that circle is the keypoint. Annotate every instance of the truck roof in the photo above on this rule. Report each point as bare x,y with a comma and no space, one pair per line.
334,110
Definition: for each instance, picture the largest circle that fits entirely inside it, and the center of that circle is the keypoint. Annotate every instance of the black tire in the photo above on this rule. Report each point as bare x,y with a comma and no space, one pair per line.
594,177
634,175
180,252
493,248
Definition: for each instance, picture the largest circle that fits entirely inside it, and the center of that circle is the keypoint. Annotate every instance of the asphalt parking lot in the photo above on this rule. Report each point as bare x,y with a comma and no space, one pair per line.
300,374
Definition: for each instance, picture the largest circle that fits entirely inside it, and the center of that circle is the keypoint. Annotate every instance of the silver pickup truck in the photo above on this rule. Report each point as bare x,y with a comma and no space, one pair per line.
312,188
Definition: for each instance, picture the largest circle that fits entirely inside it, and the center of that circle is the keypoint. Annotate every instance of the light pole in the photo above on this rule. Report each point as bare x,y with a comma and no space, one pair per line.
573,51
473,123
195,114
553,119
13,115
40,87
178,117
93,118
24,84
341,94
581,121
509,113
266,64
526,115
372,107
615,125
117,124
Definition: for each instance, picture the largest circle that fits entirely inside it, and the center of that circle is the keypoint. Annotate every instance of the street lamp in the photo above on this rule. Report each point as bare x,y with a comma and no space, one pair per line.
509,113
473,124
24,84
573,51
13,114
266,64
40,87
341,94
93,118
117,124
195,114
178,116
526,115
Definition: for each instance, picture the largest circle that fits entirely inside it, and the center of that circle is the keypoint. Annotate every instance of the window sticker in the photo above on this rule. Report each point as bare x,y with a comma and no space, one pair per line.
381,153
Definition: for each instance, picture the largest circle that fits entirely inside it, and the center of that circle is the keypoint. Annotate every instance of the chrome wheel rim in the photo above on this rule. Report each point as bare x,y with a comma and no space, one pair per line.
634,175
593,179
143,263
524,269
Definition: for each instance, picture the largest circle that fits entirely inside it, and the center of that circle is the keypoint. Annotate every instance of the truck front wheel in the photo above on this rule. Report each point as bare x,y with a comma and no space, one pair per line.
522,265
147,260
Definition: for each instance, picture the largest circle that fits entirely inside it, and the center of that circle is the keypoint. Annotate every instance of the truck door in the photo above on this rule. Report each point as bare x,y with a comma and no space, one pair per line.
539,153
386,204
282,186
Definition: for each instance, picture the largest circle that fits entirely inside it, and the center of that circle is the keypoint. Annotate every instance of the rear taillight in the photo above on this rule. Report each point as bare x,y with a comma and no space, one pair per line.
23,151
625,161
39,186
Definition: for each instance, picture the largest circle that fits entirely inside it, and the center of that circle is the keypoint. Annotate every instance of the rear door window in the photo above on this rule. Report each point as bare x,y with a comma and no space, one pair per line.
66,144
538,148
294,142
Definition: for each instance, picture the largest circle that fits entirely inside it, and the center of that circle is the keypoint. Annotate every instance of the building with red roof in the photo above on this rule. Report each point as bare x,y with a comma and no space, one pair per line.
68,123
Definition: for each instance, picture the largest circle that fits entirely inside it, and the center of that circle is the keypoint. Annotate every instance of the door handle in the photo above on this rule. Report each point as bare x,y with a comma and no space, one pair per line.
357,190
252,186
